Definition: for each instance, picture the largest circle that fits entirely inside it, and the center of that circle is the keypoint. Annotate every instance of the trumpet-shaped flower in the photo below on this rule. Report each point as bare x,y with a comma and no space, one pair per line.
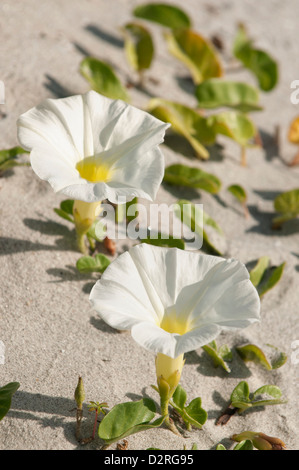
92,148
174,301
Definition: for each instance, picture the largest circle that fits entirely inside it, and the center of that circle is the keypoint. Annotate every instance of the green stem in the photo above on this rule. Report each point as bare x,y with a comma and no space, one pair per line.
168,421
81,243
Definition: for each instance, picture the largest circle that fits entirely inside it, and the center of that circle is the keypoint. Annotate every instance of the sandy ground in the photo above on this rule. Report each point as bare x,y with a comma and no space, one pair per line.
50,332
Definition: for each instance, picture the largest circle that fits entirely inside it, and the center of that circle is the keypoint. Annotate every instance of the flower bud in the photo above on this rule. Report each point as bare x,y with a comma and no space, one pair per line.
80,393
168,373
85,214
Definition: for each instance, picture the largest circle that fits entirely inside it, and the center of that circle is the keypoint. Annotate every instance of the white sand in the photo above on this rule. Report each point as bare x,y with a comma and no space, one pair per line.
50,332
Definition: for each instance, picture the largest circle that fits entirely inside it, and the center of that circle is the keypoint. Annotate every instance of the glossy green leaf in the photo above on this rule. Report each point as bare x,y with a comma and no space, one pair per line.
261,64
128,418
244,445
98,231
271,279
219,355
96,264
6,394
238,192
192,215
185,121
8,158
165,240
182,175
196,53
139,46
103,79
164,14
235,125
257,273
287,204
217,93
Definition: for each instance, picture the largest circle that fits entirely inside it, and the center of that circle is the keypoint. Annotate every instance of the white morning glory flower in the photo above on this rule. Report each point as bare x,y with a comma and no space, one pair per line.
174,301
92,148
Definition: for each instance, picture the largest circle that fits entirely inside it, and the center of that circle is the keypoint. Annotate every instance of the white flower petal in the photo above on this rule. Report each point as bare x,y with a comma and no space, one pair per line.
193,296
62,132
136,294
154,339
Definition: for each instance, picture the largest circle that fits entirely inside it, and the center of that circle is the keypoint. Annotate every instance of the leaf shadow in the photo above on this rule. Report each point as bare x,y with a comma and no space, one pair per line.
186,84
207,368
106,36
56,88
53,412
265,220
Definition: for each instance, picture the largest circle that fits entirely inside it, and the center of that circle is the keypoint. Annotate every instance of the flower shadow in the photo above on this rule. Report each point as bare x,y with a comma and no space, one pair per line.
52,228
53,412
99,324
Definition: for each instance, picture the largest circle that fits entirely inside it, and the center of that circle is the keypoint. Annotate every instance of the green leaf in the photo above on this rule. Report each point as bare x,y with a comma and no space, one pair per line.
196,53
220,447
185,121
238,192
287,204
139,46
191,215
274,277
6,394
182,175
195,414
128,418
88,264
180,397
63,215
164,14
192,414
165,240
271,390
67,206
251,352
215,93
273,360
8,158
261,64
219,356
244,445
103,79
240,396
66,210
257,273
268,391
234,125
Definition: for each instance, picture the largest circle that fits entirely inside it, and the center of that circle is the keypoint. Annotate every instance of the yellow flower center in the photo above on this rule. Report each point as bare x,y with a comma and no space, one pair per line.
93,170
173,323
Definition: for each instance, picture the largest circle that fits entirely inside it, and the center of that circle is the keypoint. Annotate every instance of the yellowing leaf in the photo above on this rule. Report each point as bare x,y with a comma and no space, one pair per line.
186,122
294,131
196,53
